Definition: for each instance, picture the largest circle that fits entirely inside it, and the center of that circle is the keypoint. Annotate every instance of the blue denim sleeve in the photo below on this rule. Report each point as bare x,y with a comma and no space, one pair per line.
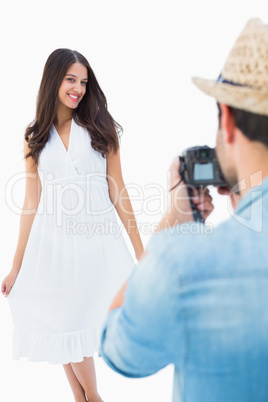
146,333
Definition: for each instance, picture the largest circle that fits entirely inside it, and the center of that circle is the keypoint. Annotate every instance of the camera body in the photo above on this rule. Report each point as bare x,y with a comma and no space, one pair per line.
199,167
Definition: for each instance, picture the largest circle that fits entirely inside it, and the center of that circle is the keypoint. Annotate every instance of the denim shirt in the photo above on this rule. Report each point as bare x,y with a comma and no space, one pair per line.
199,300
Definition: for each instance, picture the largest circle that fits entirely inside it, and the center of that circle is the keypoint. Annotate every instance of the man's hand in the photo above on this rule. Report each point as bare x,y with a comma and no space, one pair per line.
179,209
200,196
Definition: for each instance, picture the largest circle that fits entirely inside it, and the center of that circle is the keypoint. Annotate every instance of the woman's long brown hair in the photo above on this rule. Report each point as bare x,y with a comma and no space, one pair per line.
91,113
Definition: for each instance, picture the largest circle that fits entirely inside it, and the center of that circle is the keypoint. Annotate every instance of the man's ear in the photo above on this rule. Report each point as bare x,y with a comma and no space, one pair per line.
227,123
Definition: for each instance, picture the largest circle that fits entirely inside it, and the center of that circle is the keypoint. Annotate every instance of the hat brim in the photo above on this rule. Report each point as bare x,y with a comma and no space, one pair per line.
245,98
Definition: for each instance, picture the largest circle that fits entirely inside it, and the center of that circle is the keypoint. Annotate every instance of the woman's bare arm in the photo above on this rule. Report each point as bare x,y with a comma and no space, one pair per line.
120,199
31,200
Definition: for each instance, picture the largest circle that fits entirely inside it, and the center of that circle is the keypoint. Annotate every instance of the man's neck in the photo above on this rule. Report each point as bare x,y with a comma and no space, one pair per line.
252,167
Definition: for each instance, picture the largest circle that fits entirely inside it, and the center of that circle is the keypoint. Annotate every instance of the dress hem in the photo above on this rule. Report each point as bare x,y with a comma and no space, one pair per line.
57,348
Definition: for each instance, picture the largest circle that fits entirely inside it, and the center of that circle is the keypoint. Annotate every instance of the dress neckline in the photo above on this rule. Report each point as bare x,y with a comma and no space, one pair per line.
70,137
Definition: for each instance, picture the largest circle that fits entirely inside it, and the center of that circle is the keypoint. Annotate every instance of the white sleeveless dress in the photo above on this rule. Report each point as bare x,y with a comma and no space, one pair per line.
76,257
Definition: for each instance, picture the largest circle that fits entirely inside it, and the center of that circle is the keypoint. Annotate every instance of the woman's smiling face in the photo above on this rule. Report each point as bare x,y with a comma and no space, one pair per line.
73,86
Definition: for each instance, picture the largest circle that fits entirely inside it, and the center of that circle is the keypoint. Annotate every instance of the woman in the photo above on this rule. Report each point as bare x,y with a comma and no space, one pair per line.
71,257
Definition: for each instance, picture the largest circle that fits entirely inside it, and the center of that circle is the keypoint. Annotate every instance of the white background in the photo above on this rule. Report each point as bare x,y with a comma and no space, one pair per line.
144,54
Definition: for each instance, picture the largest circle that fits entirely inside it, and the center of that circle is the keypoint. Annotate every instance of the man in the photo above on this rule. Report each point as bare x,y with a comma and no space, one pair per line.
199,301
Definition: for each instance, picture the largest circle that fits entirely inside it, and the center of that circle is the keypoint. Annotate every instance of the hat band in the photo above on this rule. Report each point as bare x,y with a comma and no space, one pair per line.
224,81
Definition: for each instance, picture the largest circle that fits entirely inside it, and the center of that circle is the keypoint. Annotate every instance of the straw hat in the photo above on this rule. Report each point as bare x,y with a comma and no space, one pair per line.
243,82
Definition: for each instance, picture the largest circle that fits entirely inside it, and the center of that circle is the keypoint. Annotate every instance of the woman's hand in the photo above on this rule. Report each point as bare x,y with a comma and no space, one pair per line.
139,255
8,283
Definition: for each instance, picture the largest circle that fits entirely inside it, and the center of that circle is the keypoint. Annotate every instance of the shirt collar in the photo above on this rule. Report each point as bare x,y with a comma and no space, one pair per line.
253,195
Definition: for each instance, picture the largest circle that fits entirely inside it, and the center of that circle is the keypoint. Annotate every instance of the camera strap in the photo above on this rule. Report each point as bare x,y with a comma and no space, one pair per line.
196,213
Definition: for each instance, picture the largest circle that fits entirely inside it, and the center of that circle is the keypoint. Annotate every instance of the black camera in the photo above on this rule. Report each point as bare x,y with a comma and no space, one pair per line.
199,167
